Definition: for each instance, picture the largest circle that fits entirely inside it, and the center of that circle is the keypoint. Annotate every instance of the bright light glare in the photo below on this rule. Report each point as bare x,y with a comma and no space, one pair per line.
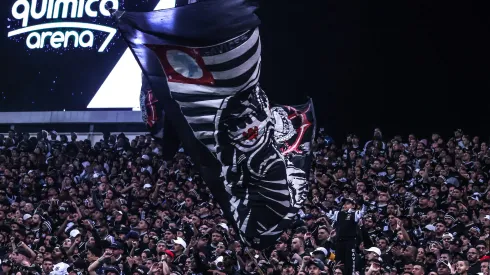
121,89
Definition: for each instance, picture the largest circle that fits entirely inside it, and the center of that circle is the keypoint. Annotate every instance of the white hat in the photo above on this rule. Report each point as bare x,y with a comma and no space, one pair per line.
487,217
219,260
448,235
320,249
147,186
74,233
30,172
224,226
430,227
374,250
118,212
180,241
146,157
26,217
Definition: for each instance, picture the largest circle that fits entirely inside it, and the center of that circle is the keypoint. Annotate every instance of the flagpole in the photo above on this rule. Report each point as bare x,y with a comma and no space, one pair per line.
247,250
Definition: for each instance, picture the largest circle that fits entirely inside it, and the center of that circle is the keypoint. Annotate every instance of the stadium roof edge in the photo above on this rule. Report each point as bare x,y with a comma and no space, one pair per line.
66,117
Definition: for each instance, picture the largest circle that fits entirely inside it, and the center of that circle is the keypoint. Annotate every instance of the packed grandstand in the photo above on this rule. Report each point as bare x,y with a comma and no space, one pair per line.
116,207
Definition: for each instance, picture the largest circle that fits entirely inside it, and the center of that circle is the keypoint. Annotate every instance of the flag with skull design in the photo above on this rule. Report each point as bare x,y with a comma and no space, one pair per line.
202,62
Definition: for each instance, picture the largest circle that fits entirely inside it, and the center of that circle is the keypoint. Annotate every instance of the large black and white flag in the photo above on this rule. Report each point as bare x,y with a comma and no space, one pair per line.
203,62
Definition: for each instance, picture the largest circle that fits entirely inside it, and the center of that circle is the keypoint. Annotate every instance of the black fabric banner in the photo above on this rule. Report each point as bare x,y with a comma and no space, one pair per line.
202,62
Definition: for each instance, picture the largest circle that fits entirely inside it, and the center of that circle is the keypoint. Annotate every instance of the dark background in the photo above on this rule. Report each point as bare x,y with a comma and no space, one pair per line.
403,66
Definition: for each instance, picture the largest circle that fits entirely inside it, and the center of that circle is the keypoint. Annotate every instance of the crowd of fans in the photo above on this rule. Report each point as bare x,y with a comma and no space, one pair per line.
116,207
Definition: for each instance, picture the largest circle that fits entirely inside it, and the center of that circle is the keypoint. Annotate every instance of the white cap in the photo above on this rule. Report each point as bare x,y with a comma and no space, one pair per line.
180,241
219,260
487,217
60,269
447,235
224,226
374,250
30,172
26,217
146,157
320,249
430,227
147,186
74,233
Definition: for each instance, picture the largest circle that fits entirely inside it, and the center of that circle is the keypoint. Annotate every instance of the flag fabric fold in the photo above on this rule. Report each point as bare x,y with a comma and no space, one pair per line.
294,132
202,63
159,125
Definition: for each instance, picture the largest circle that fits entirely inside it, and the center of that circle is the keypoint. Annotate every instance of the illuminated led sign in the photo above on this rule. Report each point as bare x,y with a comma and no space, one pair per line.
55,23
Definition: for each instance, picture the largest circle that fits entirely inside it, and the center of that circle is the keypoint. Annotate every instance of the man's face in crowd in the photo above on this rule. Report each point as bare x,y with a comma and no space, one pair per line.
390,209
368,223
188,202
485,268
169,236
281,246
134,219
47,266
314,270
161,247
472,255
456,194
142,225
16,257
452,210
434,191
440,228
417,270
443,269
216,237
171,186
462,267
296,245
449,221
383,197
107,204
445,257
482,249
323,234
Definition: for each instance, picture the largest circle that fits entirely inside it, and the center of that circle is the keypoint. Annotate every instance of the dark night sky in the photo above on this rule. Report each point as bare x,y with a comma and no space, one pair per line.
404,66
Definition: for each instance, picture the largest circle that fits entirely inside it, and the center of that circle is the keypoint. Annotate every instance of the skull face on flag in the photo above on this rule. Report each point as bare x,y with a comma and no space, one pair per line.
254,170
